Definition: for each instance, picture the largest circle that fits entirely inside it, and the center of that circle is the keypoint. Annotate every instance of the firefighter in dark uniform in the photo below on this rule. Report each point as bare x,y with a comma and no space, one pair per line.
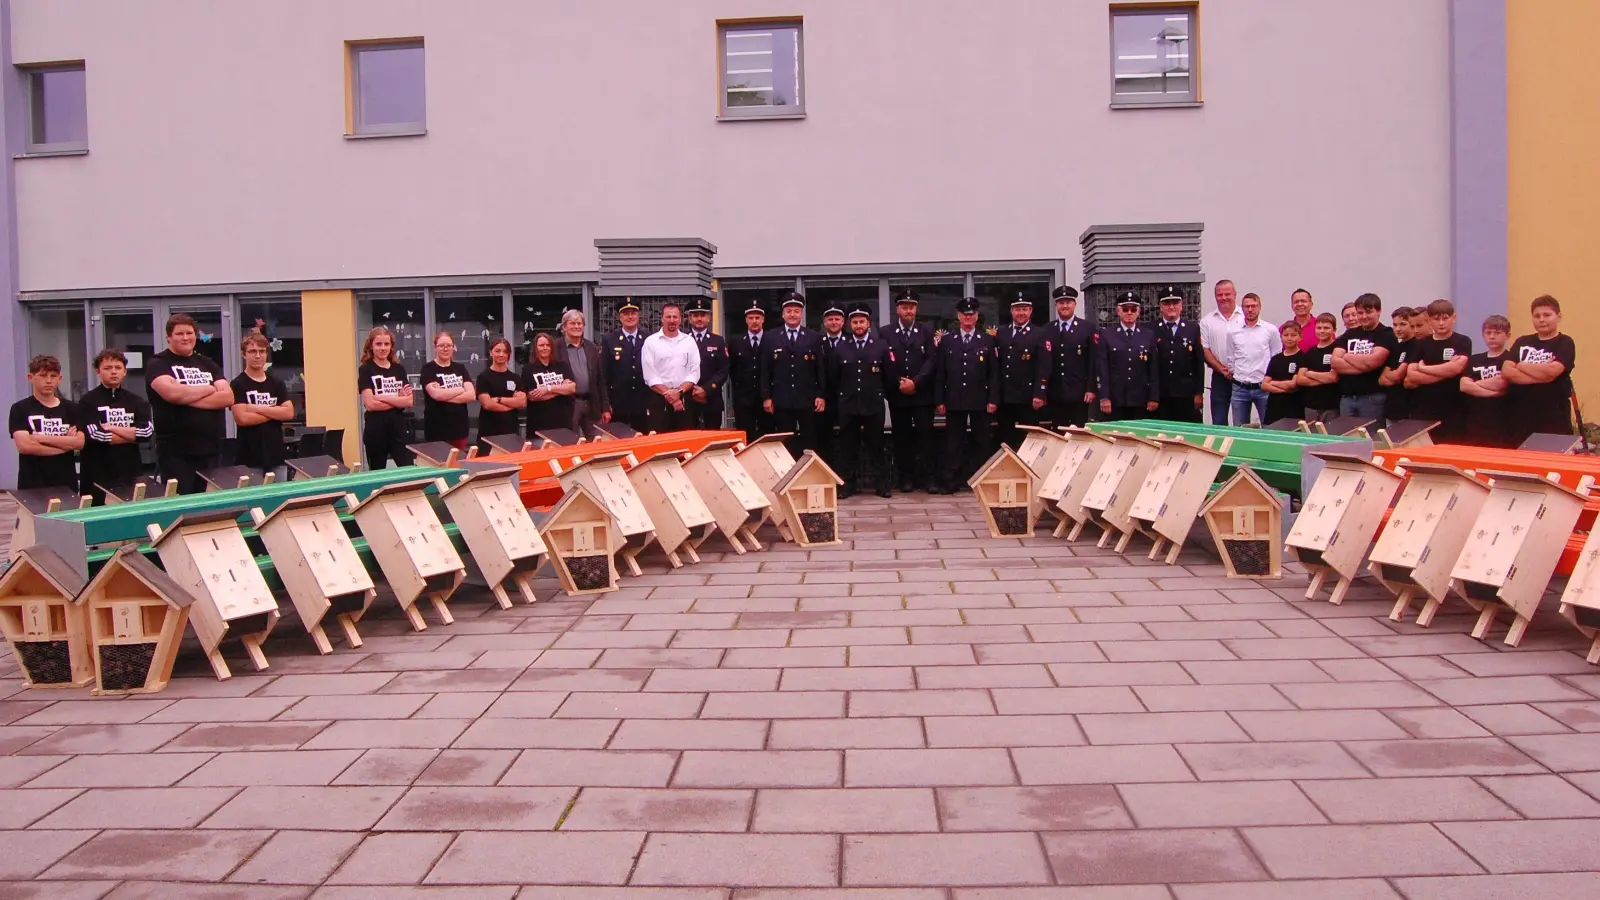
909,344
744,373
1182,362
791,376
967,388
1125,359
863,370
1024,371
707,403
828,420
619,366
1072,374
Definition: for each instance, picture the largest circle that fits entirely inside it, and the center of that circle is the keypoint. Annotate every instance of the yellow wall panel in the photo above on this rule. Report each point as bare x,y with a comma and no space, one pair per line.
331,362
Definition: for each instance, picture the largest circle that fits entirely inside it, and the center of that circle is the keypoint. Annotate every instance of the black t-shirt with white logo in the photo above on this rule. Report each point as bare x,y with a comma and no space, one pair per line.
1488,418
1359,342
1283,367
29,415
1323,396
1440,401
260,446
498,384
1546,407
1400,398
444,421
384,382
184,429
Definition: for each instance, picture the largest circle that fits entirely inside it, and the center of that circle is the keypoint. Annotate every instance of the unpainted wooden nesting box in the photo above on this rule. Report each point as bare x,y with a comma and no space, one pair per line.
1580,602
136,489
1173,491
317,564
411,546
1069,479
136,616
438,454
578,534
1116,485
1425,534
1007,493
207,556
1245,519
42,616
500,535
735,500
1339,517
502,444
808,498
321,466
768,460
680,515
1513,549
1039,449
605,478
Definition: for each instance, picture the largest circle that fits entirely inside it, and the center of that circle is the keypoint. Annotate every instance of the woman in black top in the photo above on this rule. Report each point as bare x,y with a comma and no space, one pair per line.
550,387
500,396
387,398
261,405
449,390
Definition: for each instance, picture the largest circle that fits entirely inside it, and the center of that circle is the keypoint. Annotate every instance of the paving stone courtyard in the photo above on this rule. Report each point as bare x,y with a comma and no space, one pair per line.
924,713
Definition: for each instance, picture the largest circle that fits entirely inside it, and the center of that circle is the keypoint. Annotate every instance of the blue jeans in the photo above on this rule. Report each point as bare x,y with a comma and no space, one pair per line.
1221,398
1366,406
1243,399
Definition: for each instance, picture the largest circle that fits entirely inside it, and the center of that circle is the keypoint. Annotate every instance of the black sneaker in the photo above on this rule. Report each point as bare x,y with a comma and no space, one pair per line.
883,490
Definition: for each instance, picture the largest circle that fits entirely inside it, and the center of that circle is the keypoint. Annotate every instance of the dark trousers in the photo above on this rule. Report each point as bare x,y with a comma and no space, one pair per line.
802,423
1178,409
964,451
827,437
109,465
707,415
913,445
1221,398
1120,413
663,418
186,469
1011,415
1063,414
861,451
752,420
583,417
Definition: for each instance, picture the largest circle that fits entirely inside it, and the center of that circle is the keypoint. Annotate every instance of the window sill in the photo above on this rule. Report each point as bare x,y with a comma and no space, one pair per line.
1175,104
420,132
41,154
764,117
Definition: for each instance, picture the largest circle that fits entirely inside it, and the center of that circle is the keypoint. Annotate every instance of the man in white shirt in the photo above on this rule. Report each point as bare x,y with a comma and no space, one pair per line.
1251,346
1214,329
671,363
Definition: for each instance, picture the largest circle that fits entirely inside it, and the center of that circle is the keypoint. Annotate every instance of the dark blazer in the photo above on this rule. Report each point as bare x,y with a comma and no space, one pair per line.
1127,366
1024,363
863,377
910,356
598,402
713,375
744,369
792,375
1182,361
967,374
1072,372
626,393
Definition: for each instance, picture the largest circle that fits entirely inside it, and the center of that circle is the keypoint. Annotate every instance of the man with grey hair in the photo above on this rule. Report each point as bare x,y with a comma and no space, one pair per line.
583,358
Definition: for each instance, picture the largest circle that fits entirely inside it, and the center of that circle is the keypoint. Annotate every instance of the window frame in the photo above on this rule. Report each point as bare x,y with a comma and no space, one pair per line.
29,72
353,129
1184,100
728,113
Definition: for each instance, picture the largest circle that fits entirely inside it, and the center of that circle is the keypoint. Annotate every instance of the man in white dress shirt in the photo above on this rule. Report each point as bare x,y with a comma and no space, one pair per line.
1251,346
1214,329
671,363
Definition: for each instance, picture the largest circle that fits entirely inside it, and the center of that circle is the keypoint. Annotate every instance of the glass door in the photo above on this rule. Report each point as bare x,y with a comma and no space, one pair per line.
216,339
129,328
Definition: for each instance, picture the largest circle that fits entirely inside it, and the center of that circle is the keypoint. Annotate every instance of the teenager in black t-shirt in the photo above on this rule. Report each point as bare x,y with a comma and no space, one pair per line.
1483,390
1397,400
550,386
386,399
1539,370
261,406
1318,383
188,394
1435,373
115,420
44,428
500,396
1359,356
1284,400
448,388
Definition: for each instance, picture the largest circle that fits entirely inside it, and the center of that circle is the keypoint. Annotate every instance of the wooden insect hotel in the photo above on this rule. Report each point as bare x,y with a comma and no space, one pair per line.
682,519
206,555
1580,602
1116,485
1174,489
1338,519
1007,493
42,616
228,477
1064,487
1425,534
500,535
808,499
411,546
322,466
136,489
578,533
605,478
501,444
137,615
439,454
736,502
768,460
1406,433
319,568
1040,448
1513,549
1245,519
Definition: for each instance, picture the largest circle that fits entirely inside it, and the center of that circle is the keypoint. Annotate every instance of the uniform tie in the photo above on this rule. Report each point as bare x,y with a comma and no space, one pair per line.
966,337
792,334
755,342
699,337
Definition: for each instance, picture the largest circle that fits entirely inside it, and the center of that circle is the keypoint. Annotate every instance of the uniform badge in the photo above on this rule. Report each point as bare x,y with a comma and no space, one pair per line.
1026,356
1047,346
891,356
618,352
874,370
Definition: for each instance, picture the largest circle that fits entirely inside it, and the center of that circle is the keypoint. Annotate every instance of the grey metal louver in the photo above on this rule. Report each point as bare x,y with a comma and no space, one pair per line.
658,267
1142,254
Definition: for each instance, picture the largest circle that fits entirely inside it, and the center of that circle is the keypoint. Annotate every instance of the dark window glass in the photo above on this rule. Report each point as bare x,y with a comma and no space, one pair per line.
58,108
390,87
